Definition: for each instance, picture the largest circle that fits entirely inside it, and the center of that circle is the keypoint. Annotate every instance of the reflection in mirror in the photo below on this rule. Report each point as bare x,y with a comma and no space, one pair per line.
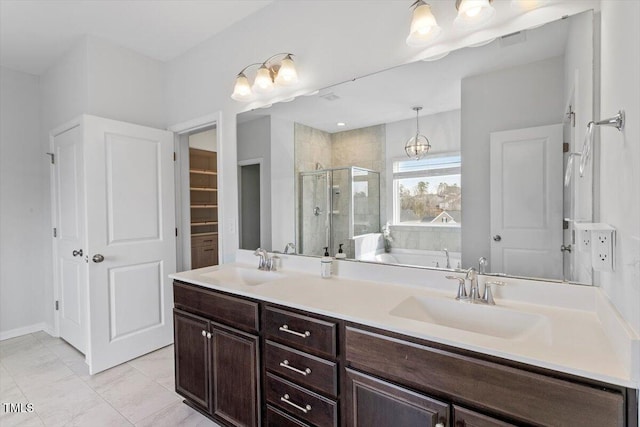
499,119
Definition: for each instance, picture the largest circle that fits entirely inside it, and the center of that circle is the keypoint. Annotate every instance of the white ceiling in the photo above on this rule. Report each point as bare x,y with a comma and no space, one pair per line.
35,33
388,96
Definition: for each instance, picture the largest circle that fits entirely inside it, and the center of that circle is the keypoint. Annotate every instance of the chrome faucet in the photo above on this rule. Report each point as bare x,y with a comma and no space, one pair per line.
482,265
446,252
474,292
264,259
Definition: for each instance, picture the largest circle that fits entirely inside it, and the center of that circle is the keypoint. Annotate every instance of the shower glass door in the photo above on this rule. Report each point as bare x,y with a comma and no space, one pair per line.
314,212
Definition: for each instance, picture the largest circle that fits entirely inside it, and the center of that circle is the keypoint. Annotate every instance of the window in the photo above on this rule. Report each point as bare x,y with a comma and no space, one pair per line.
428,191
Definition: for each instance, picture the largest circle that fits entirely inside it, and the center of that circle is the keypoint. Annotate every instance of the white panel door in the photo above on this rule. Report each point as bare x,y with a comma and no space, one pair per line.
70,267
526,202
131,240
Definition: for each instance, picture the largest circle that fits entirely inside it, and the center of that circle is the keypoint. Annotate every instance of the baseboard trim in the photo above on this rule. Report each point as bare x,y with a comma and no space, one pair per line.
12,333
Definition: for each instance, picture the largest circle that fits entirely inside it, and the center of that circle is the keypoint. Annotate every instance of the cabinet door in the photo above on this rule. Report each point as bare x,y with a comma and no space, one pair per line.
463,417
235,379
191,357
373,402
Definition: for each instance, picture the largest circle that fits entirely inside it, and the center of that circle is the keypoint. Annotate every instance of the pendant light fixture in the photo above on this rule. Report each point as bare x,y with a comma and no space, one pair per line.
417,146
473,13
271,73
424,28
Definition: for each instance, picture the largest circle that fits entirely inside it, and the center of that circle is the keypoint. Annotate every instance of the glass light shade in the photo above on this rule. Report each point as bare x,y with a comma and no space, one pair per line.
242,89
424,28
417,147
527,5
287,74
474,13
263,82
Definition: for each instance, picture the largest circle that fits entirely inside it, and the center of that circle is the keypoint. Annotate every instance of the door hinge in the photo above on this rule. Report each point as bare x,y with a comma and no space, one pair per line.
565,224
57,305
174,156
53,158
55,232
176,231
565,147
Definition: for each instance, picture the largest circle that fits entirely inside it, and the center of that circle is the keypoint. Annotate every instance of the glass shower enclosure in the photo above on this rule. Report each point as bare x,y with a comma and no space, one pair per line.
334,205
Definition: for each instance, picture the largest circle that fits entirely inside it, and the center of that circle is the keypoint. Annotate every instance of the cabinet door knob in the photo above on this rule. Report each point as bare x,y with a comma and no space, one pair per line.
97,258
497,237
204,333
208,335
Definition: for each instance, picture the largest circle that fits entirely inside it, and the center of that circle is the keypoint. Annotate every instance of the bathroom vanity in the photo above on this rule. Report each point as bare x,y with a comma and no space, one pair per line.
290,349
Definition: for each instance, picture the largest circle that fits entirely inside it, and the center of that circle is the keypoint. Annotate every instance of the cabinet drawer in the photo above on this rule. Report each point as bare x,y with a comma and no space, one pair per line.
526,396
206,241
225,309
276,418
304,404
302,368
301,332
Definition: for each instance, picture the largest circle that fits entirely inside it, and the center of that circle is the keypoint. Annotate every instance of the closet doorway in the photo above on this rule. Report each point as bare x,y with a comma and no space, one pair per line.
199,208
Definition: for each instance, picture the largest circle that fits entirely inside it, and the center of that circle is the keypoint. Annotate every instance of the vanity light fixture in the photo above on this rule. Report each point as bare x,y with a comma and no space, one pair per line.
417,146
527,5
424,28
473,13
341,124
271,73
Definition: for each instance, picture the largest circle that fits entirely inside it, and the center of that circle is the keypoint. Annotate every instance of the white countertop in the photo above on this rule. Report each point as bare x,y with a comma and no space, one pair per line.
586,335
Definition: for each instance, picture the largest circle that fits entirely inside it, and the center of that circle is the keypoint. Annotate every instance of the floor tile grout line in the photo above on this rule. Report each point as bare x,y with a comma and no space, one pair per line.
84,382
35,411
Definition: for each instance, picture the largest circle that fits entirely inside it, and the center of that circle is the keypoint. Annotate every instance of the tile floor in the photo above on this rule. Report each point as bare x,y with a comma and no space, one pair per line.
52,375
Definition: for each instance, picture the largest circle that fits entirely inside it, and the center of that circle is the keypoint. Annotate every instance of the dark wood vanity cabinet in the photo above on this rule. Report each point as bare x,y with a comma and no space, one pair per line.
302,369
248,363
217,367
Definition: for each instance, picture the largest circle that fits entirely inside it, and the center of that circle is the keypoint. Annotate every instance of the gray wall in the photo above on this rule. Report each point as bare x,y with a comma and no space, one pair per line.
254,142
514,98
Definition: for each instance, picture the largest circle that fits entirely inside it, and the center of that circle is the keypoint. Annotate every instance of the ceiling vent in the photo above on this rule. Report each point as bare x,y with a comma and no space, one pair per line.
513,38
330,97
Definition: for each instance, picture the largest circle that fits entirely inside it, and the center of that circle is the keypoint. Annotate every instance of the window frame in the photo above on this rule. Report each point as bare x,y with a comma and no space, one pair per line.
397,176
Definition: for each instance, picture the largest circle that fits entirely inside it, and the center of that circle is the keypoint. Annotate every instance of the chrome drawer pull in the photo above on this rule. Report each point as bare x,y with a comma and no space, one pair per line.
285,364
285,328
286,400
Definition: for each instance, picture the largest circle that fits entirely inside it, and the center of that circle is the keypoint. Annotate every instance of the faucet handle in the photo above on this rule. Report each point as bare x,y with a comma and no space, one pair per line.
488,295
462,290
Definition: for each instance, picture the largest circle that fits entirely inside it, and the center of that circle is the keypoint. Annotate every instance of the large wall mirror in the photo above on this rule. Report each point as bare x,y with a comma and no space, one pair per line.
496,190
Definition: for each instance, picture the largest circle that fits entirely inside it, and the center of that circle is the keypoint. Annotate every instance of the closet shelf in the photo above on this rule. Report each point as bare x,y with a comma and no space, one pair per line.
202,189
204,223
203,172
210,233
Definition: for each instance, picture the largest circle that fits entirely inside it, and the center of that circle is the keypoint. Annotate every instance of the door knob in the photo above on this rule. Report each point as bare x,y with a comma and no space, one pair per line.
97,258
77,253
497,238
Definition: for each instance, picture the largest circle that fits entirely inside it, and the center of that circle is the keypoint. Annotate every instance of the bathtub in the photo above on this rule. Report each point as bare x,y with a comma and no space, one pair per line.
417,257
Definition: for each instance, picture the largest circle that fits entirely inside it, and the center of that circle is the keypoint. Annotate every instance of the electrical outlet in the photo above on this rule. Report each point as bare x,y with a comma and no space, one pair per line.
602,249
584,240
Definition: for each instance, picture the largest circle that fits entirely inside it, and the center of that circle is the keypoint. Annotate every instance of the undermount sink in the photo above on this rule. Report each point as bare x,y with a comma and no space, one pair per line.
242,275
482,319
